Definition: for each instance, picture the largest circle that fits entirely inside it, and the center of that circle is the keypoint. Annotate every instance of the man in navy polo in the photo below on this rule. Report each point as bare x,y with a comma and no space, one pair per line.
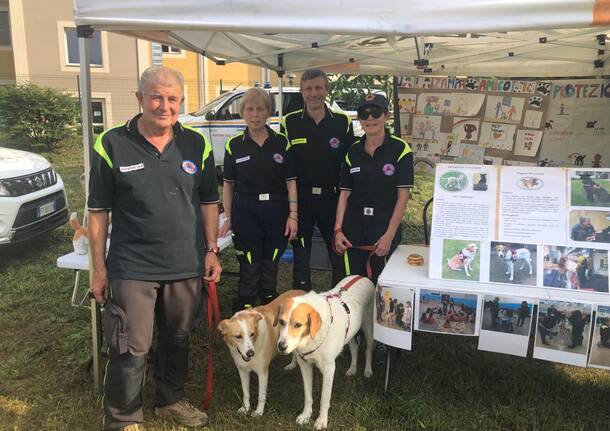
158,179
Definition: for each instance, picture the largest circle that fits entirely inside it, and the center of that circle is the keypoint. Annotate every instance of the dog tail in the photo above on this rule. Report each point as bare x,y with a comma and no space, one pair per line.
74,221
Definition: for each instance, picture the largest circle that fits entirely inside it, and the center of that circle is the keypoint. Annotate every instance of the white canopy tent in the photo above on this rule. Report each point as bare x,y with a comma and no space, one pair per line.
503,38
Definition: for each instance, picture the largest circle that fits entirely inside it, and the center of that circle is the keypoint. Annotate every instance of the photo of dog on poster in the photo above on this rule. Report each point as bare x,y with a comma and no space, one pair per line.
590,188
600,344
512,263
447,312
461,260
575,268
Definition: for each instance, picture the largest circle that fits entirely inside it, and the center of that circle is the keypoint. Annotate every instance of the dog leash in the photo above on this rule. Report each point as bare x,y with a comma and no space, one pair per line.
369,248
213,318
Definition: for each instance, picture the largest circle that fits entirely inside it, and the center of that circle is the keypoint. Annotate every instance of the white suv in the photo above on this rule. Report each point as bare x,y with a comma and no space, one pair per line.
32,196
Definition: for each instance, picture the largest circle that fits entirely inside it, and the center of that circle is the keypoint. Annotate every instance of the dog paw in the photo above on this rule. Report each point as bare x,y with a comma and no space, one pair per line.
368,373
303,418
257,413
351,371
243,410
321,423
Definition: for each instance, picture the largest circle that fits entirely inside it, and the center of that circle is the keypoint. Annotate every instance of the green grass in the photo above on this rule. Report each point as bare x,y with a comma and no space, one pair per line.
444,384
579,197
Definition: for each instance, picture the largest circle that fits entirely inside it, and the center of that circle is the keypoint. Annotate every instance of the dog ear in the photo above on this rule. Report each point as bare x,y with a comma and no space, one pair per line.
276,319
257,316
314,321
222,327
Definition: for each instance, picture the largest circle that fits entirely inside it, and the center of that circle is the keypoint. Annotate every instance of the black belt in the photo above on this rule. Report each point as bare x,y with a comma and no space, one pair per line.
317,191
263,196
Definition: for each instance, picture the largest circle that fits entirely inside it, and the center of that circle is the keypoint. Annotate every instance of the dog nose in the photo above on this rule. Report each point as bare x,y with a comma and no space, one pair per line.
250,353
281,346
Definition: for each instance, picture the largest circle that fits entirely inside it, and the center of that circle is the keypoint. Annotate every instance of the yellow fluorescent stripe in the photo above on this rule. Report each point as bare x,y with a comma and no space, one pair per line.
303,242
406,150
348,161
99,147
298,141
207,148
275,252
249,257
346,262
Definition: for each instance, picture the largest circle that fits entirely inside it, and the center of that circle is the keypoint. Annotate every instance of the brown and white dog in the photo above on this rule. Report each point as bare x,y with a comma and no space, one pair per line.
252,339
463,259
318,326
511,256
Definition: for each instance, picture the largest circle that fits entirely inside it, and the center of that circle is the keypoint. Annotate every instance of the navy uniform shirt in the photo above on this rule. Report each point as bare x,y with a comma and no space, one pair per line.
255,169
319,149
155,201
373,181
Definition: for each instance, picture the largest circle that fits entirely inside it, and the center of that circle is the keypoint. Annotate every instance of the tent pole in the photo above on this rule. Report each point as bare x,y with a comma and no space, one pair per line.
280,77
396,110
85,33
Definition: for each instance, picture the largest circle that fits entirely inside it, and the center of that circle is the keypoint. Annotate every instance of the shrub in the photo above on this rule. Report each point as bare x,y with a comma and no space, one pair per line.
41,116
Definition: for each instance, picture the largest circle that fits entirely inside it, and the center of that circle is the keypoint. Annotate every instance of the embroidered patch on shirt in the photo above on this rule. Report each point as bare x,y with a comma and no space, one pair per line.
189,167
334,142
278,158
388,169
242,159
131,168
354,170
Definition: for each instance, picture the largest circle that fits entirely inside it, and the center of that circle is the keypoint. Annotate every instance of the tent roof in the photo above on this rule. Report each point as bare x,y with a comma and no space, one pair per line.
516,38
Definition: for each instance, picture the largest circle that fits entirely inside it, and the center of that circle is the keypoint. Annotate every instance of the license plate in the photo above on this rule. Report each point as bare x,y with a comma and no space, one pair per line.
45,209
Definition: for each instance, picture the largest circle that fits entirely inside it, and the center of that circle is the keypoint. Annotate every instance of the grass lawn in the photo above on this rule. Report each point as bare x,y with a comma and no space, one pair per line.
450,248
579,197
444,384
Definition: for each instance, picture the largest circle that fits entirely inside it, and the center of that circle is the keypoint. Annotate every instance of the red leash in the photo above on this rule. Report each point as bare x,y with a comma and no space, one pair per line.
369,248
213,319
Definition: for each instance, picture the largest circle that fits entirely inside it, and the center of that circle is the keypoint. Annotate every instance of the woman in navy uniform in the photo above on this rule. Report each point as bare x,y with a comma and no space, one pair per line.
260,200
375,181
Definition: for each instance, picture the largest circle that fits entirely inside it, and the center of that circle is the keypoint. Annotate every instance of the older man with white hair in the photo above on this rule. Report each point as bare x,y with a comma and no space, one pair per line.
158,179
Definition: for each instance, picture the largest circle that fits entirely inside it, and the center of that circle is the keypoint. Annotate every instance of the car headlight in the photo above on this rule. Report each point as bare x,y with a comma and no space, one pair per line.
4,190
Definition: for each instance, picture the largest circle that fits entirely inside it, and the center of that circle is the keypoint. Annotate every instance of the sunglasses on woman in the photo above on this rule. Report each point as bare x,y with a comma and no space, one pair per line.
375,112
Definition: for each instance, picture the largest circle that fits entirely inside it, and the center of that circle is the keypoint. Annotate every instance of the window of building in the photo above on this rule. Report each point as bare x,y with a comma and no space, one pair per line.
99,116
5,29
95,48
166,49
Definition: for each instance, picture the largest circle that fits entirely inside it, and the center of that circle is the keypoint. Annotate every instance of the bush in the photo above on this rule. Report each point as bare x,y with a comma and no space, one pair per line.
42,116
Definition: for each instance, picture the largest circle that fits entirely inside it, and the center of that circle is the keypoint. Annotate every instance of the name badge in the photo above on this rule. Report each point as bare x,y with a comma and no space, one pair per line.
263,197
242,159
354,170
369,211
131,167
316,190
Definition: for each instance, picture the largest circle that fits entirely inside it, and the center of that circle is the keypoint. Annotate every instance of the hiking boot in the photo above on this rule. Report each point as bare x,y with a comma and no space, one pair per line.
183,413
132,427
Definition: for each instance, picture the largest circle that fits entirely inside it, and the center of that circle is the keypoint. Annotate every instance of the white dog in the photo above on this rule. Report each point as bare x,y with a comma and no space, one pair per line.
252,339
317,327
511,256
463,259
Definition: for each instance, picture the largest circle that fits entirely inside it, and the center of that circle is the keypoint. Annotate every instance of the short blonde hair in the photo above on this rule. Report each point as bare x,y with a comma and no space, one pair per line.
255,95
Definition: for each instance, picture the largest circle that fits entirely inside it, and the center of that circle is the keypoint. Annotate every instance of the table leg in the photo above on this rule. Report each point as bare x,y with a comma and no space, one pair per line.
75,289
387,369
96,340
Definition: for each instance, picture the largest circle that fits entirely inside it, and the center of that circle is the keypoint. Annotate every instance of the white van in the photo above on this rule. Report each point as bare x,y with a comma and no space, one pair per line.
32,196
220,119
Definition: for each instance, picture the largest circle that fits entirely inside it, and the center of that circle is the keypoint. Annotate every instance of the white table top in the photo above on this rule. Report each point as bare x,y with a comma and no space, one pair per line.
81,261
398,273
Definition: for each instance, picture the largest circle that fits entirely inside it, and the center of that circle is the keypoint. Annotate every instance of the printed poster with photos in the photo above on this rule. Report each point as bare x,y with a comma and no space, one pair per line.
506,324
447,312
525,226
393,323
600,344
563,332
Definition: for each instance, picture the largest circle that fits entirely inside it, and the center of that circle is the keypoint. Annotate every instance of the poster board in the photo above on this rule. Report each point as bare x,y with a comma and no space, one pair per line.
522,226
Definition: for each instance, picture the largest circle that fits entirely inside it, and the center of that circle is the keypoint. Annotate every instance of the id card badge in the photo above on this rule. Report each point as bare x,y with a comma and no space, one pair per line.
263,197
316,190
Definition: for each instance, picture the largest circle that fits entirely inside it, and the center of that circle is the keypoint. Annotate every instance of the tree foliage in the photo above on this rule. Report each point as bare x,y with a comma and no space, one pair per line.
41,116
351,88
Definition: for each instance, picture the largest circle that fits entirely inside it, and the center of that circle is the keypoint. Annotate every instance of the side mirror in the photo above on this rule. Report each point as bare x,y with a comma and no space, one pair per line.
210,116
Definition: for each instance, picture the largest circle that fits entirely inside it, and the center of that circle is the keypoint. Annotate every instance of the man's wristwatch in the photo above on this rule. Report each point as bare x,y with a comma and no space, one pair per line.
214,250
